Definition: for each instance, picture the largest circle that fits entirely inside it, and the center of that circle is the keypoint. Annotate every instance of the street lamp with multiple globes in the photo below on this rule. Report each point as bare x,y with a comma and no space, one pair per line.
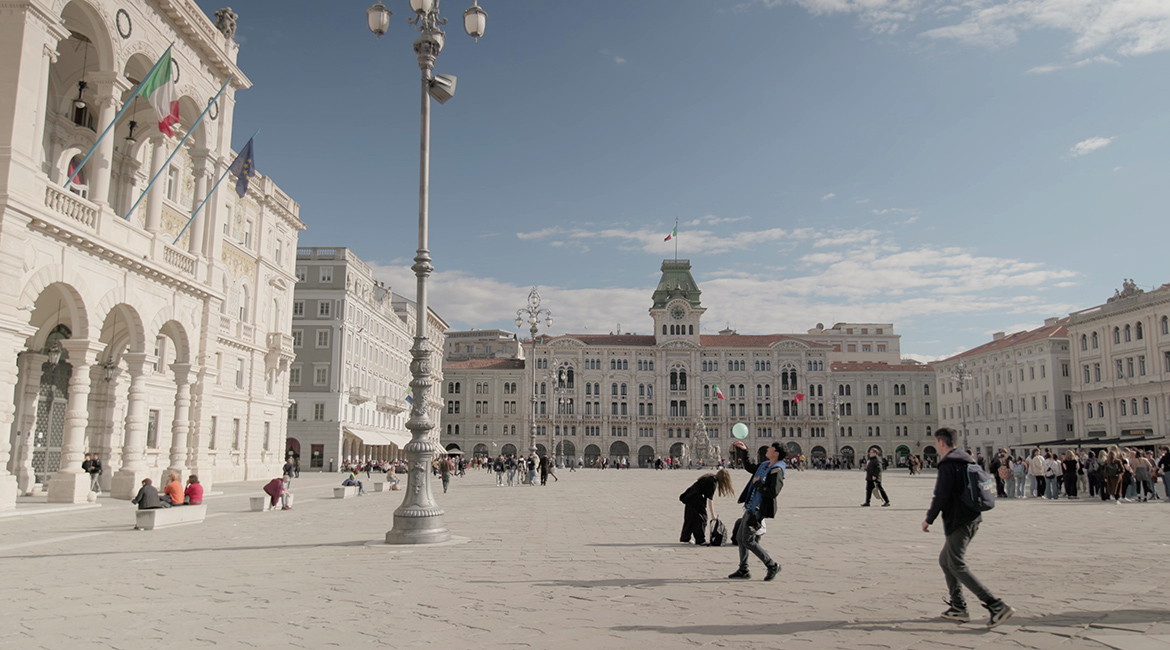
961,374
419,520
532,314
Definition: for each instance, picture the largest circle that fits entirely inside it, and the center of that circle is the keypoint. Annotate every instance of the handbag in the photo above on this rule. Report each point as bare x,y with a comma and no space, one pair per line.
718,533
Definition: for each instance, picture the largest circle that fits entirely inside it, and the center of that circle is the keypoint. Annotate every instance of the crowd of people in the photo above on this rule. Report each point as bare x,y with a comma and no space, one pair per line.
1116,474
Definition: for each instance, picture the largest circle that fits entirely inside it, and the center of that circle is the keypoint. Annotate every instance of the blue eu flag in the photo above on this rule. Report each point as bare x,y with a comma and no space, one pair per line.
244,168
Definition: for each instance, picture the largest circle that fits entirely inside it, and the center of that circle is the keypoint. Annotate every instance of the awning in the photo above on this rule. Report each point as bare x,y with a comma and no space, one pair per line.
378,438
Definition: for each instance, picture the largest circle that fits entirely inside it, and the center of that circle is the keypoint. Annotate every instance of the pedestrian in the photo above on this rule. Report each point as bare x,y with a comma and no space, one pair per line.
960,524
1164,470
1020,477
1053,474
499,466
1114,469
510,466
445,469
1036,469
289,469
531,466
1069,467
543,463
698,501
1141,472
277,491
873,479
93,467
1000,470
759,504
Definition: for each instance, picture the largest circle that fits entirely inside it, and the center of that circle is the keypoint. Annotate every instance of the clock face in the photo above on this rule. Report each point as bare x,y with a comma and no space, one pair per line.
677,312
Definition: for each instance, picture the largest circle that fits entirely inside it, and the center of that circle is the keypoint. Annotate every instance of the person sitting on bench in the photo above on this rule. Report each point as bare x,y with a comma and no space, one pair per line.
147,497
173,491
193,495
352,480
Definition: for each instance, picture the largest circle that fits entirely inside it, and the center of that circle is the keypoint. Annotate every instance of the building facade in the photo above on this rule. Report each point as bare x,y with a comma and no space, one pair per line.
1121,366
350,381
125,335
1018,391
481,344
860,342
891,408
644,397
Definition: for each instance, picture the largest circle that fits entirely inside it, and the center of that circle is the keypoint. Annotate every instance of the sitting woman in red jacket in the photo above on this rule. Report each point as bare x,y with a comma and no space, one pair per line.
193,495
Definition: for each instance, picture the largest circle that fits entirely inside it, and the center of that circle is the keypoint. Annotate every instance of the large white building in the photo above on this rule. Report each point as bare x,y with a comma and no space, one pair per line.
1121,367
352,336
649,396
115,338
1018,392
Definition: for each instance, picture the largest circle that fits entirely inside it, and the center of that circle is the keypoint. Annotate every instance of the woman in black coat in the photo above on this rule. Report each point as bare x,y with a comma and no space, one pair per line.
697,500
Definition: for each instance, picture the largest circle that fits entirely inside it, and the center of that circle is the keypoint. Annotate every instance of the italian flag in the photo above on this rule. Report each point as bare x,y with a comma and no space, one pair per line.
800,397
159,90
672,235
719,393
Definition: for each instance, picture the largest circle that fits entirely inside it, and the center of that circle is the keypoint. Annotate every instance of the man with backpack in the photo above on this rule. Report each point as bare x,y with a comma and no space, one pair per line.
498,466
959,495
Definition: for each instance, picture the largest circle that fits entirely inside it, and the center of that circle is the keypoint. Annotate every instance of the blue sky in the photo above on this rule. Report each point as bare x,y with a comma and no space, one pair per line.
957,168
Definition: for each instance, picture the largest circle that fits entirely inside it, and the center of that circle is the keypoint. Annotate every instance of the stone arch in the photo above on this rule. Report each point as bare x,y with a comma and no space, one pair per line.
121,331
117,298
190,106
71,291
96,23
175,331
179,329
645,455
508,449
619,449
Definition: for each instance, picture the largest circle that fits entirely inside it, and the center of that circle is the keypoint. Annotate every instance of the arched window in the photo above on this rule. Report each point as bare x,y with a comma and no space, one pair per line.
673,380
1133,406
1084,342
682,380
613,389
690,330
1089,411
1146,407
623,390
767,390
80,184
706,390
926,389
841,389
1140,332
1100,409
664,330
641,390
1128,334
1117,335
868,390
1122,408
244,303
1095,340
1165,325
613,364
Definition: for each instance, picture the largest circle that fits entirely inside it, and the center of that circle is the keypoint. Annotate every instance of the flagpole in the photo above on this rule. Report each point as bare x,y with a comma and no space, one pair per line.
116,117
209,194
676,238
178,147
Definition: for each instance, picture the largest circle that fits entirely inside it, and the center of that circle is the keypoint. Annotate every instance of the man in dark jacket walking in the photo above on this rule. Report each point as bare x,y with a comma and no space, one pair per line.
960,524
759,503
873,479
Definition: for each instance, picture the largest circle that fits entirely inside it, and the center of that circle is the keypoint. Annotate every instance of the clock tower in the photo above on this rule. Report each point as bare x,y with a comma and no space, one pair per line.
676,310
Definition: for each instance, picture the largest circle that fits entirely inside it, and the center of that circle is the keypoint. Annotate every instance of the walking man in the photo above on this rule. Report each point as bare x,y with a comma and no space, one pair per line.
873,479
93,467
498,466
1036,469
960,524
759,503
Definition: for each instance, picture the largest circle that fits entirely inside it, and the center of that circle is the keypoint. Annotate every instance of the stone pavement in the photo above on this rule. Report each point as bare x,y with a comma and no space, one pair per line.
592,561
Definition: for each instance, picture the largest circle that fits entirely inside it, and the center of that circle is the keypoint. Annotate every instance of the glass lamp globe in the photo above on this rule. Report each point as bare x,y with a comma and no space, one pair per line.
422,6
474,20
378,18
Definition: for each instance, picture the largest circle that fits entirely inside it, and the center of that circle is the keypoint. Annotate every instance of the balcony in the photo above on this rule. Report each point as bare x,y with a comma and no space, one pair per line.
359,395
390,405
280,343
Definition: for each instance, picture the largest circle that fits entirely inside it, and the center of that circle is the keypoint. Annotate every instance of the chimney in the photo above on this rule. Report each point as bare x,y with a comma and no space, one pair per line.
998,336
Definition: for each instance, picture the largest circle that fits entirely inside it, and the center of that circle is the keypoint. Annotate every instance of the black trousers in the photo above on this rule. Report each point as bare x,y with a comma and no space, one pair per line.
870,484
999,486
1041,486
694,524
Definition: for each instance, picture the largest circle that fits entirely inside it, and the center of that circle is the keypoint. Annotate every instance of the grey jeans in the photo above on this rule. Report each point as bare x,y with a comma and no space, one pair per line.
750,541
954,566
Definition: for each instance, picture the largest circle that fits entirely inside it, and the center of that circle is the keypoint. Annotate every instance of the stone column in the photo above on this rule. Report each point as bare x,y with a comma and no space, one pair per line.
110,87
181,425
199,158
11,339
70,484
29,388
154,200
127,478
200,433
38,144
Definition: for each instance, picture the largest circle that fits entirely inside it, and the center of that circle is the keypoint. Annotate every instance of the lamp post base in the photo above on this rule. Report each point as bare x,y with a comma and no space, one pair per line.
416,527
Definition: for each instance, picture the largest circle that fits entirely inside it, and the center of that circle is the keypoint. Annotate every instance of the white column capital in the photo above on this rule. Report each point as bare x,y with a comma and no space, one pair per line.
185,373
139,363
82,352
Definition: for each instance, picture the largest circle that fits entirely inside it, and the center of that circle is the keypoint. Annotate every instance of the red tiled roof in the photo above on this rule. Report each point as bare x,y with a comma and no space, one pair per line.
880,366
625,340
754,341
1059,330
485,364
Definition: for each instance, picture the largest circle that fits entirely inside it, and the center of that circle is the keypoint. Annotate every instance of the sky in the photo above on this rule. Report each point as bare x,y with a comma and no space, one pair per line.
955,167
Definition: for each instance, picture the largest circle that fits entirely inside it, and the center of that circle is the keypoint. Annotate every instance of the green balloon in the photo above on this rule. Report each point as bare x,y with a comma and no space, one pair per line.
740,430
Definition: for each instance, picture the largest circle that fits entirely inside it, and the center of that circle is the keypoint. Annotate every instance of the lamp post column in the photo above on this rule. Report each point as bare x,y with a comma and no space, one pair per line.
420,520
532,426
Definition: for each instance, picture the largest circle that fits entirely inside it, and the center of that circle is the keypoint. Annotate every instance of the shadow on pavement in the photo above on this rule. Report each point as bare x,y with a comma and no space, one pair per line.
169,551
1064,619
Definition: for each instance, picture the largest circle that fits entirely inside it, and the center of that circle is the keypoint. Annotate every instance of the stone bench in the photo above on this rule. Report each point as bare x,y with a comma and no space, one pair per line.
166,517
345,492
383,486
261,504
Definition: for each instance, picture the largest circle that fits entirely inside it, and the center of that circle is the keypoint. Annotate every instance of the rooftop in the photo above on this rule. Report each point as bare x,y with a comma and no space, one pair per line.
485,364
1056,330
863,366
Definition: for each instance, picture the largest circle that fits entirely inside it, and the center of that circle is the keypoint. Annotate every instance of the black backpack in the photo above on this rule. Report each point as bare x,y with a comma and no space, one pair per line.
978,493
718,533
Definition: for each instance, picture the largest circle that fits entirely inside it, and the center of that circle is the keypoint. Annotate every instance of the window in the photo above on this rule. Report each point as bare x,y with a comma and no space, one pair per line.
1084,342
214,431
152,429
1095,340
322,338
235,434
1139,331
320,376
294,377
326,275
324,308
302,274
1165,325
267,434
298,337
298,309
173,183
239,373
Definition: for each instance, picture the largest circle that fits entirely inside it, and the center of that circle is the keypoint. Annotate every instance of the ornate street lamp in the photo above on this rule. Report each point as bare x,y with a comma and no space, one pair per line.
419,520
961,374
532,313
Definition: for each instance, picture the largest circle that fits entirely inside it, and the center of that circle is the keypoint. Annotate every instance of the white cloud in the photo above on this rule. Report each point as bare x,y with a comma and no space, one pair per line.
856,275
717,220
1053,67
896,210
1089,146
828,196
1127,27
616,59
651,240
861,201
